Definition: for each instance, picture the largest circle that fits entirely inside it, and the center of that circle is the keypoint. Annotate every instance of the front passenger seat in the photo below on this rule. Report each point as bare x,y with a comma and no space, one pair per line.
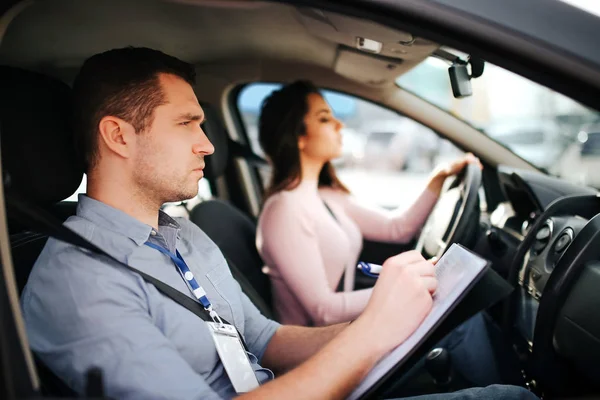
232,230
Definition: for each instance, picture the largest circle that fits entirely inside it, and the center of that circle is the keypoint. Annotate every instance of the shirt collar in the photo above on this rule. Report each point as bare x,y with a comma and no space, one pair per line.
117,221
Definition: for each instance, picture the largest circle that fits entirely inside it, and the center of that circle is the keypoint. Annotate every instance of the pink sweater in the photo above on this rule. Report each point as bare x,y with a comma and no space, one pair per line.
306,250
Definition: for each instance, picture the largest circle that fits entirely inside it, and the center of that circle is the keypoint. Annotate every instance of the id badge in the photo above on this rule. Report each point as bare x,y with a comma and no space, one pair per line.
233,356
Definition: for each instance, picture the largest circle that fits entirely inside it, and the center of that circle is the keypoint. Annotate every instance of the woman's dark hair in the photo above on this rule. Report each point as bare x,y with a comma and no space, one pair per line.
280,125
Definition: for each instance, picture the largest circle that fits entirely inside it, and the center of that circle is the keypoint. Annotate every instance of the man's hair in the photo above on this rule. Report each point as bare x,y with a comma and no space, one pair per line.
122,83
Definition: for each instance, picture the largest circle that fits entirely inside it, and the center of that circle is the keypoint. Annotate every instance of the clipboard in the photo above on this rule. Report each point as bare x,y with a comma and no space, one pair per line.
462,275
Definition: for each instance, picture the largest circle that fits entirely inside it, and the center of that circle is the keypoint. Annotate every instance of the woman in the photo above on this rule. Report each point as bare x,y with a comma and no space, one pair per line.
311,229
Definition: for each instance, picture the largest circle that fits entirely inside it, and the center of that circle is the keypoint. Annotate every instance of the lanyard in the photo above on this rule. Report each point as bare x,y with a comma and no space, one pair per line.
189,278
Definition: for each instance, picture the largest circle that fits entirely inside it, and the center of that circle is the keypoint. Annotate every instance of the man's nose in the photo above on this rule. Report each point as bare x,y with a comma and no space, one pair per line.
203,145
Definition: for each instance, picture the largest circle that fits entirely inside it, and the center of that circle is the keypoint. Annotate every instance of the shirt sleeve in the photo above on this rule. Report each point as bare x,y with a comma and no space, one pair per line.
397,226
76,321
258,329
288,240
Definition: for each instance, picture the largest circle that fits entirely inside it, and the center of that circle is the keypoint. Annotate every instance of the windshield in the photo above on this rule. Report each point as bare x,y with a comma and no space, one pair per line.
545,128
591,6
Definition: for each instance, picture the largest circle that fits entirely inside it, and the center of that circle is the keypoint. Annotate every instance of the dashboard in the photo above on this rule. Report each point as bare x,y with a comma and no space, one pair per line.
550,243
549,232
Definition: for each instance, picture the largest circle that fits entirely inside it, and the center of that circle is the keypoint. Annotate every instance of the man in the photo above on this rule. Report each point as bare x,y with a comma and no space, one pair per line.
138,127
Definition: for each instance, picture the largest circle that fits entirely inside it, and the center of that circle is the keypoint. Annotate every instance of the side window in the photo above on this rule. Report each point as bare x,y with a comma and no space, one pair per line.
386,158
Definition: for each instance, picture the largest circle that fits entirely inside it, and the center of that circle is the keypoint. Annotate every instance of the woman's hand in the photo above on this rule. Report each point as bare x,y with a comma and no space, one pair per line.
443,171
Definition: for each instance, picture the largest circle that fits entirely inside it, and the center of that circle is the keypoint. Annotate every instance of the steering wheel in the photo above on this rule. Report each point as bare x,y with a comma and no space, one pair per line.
453,213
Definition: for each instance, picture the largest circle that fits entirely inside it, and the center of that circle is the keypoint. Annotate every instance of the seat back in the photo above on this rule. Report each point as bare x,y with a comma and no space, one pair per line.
235,234
231,229
40,167
27,245
35,120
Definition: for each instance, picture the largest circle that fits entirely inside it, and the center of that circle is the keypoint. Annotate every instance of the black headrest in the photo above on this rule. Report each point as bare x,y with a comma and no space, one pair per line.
225,147
217,134
38,155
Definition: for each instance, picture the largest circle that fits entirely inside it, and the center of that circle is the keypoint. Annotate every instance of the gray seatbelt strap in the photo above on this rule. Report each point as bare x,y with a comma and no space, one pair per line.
340,285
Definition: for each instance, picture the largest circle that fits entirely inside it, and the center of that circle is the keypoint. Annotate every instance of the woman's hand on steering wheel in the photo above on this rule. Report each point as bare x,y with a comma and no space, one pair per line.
445,170
457,210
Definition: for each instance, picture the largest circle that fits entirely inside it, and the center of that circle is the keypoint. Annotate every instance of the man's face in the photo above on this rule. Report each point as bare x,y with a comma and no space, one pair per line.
169,156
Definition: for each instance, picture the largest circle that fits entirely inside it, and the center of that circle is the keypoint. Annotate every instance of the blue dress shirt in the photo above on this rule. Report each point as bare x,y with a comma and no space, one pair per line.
83,310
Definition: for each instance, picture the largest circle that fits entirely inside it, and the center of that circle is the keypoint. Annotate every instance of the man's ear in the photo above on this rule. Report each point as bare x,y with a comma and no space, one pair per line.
117,135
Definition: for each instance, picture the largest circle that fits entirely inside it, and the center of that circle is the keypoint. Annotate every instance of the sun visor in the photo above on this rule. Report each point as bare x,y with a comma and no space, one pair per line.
348,32
366,68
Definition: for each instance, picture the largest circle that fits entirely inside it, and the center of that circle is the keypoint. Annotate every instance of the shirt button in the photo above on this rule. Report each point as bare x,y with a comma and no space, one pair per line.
153,232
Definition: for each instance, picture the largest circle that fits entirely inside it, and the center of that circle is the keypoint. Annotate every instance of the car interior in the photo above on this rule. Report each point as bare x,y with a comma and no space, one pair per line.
541,233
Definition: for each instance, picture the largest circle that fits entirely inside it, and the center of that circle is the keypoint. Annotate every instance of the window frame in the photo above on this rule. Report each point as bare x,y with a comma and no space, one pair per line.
492,194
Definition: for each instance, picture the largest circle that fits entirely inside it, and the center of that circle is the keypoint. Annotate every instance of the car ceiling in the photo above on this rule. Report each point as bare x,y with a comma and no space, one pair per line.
234,42
57,34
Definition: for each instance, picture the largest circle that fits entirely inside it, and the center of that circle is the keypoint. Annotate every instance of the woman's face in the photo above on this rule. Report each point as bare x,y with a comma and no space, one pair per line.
323,138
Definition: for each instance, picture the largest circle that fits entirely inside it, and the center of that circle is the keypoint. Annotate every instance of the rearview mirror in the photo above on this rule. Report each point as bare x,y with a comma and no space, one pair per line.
460,79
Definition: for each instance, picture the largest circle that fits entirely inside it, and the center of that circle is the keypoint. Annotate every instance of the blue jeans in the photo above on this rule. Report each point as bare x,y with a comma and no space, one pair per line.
494,392
472,353
471,347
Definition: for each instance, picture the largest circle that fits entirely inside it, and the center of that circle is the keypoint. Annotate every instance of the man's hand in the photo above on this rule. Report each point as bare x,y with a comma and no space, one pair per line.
401,299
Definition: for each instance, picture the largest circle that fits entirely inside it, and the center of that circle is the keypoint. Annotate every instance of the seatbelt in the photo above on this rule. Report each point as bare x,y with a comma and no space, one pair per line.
340,285
32,215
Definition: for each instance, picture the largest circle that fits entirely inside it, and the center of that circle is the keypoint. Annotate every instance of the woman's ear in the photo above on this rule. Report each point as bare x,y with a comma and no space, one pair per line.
301,142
